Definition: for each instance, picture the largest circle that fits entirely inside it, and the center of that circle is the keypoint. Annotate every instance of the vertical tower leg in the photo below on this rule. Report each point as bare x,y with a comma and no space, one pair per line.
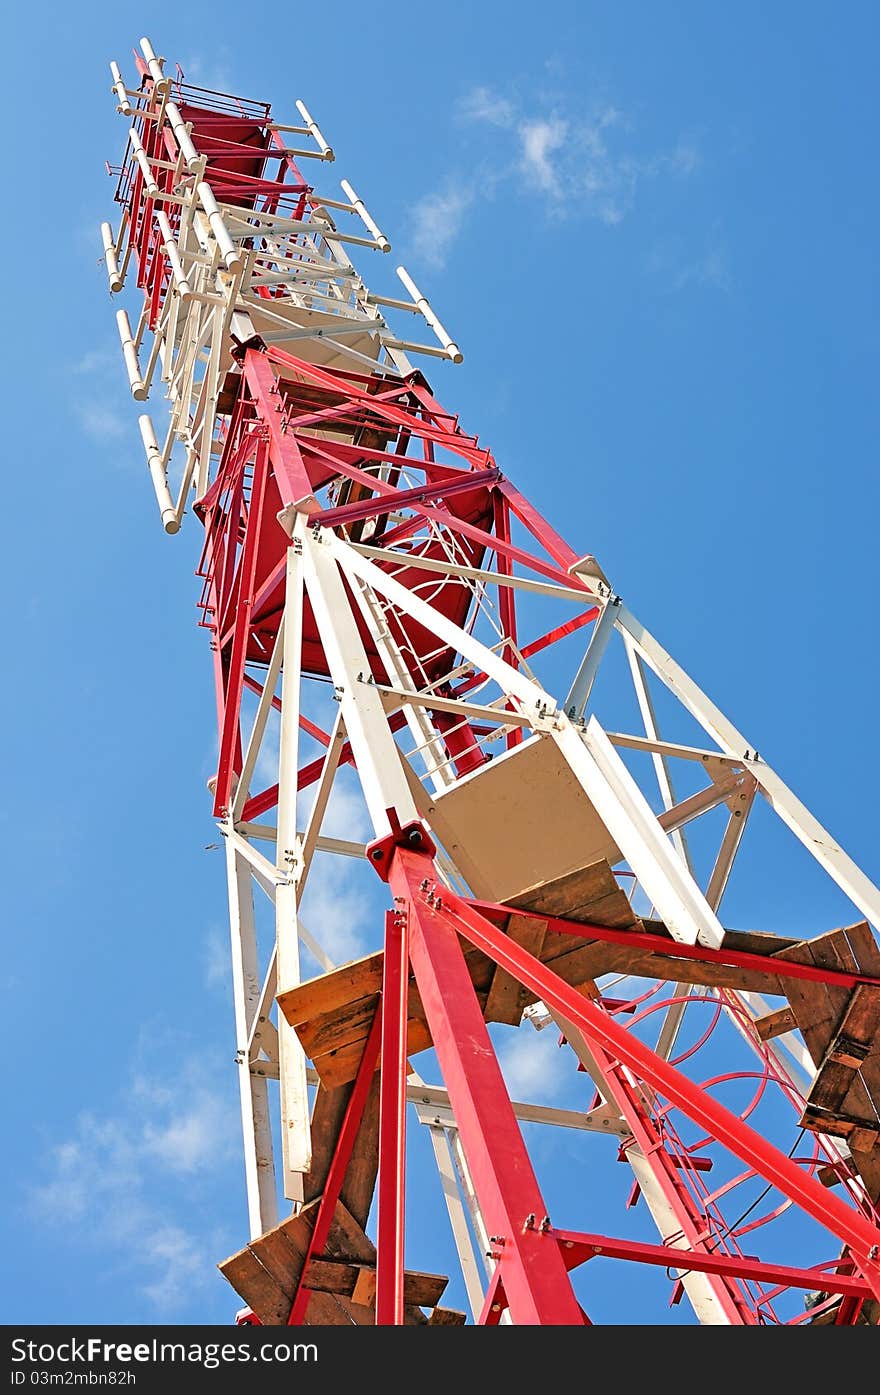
259,1162
535,1280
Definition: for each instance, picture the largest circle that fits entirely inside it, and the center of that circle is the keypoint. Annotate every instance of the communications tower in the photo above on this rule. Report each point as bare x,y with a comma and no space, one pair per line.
384,606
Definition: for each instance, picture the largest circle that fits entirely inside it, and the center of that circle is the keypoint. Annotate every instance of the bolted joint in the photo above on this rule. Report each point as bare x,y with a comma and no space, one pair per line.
414,837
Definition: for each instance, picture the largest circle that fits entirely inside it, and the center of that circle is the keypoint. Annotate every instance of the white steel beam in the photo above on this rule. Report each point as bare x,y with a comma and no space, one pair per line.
816,839
259,1162
295,1126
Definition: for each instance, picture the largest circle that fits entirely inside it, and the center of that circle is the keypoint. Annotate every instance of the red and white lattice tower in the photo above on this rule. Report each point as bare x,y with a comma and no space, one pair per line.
371,575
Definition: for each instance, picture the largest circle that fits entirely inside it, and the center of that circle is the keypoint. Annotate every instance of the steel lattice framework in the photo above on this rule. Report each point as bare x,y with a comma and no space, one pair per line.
382,604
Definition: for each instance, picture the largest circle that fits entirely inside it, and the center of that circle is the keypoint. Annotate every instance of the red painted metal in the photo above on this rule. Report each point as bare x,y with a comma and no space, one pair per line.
854,1229
534,1277
579,1247
350,449
392,1124
659,944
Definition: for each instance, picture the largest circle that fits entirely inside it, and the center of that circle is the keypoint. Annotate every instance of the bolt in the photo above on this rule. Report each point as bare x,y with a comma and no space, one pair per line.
529,1223
496,1307
414,837
545,1223
496,1239
376,854
424,884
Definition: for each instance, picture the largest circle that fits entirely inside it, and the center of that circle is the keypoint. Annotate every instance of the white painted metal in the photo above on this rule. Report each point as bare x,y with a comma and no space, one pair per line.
579,693
111,261
259,1163
816,839
295,1130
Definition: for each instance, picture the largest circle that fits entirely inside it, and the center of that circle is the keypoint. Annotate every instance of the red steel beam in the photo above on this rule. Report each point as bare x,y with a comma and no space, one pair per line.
850,1226
578,1247
673,949
392,1125
535,1279
294,484
230,735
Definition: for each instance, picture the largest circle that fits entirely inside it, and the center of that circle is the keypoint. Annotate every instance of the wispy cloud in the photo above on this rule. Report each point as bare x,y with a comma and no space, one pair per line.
482,104
94,361
674,268
100,1184
534,1067
436,221
582,164
101,422
216,960
539,141
338,912
708,270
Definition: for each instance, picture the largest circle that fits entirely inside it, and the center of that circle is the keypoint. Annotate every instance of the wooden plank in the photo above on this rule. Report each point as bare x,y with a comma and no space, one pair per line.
507,997
328,1112
360,1176
423,1290
857,1029
757,942
256,1286
332,1276
281,1257
865,949
326,1310
447,1317
340,1066
773,1024
347,1239
359,979
330,1030
565,894
365,1286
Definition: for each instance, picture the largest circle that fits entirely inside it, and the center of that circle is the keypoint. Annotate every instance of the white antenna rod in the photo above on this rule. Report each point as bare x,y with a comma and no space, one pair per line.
140,154
232,255
129,353
157,471
325,149
162,83
110,260
123,104
182,136
452,349
169,246
358,205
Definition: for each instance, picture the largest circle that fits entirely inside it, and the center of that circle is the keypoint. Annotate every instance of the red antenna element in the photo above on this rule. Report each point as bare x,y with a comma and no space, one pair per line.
417,678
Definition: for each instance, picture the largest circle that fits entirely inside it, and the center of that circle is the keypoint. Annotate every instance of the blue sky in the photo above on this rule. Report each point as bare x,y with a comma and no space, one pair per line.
653,231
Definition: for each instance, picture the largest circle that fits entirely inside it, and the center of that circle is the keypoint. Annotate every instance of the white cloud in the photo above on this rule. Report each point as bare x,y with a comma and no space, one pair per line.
708,270
436,221
338,912
534,1066
538,141
217,970
189,1136
585,164
101,1182
102,422
180,1263
346,815
675,270
482,104
94,361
